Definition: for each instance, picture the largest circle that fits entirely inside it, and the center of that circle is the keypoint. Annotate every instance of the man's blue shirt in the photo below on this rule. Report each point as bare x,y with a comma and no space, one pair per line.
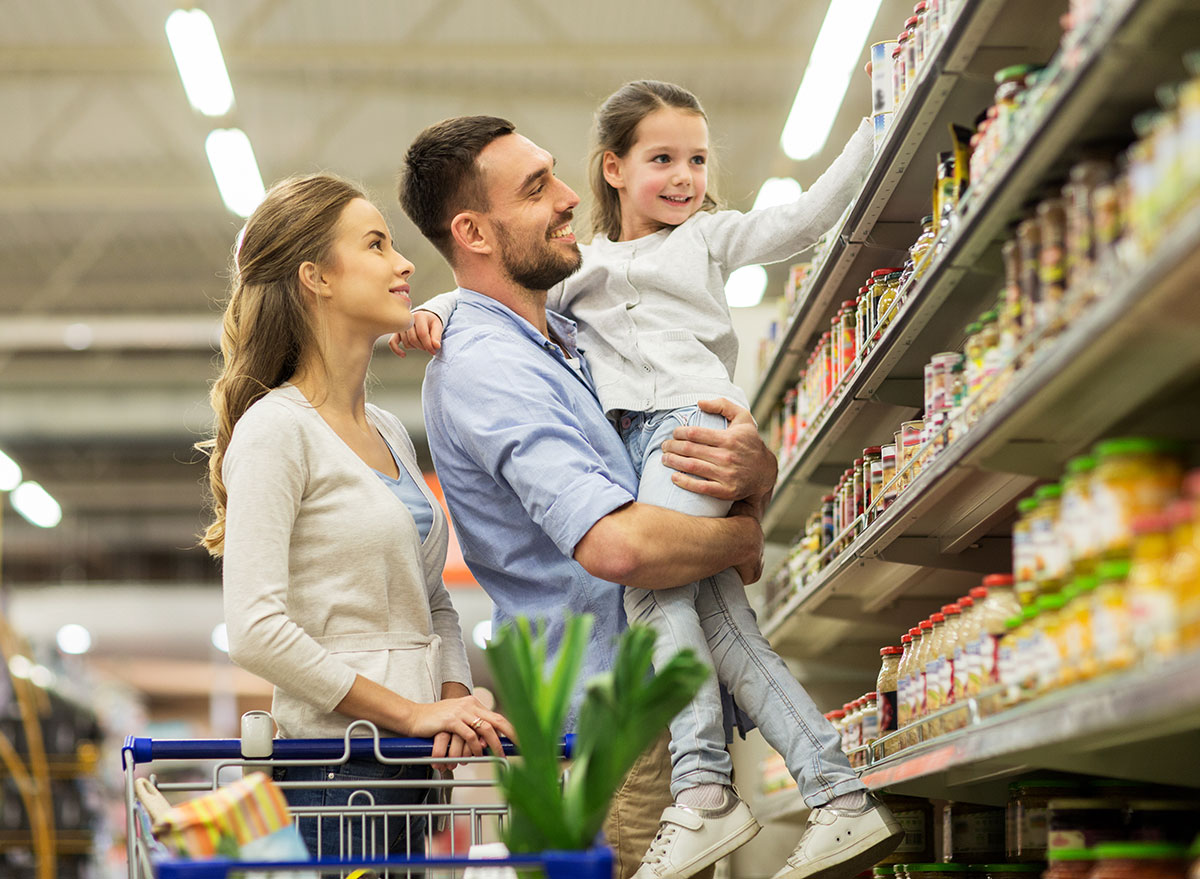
529,464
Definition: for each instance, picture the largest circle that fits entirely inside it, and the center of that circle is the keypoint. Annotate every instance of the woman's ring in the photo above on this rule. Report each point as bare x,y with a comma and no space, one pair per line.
477,723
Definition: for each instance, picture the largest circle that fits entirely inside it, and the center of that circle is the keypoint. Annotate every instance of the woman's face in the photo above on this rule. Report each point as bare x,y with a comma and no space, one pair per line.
366,282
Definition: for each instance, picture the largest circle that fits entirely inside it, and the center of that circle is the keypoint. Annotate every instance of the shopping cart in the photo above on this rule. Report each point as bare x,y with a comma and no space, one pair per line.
432,828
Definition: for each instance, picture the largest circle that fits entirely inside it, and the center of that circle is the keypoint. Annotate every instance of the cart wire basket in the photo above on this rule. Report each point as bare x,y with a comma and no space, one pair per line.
350,837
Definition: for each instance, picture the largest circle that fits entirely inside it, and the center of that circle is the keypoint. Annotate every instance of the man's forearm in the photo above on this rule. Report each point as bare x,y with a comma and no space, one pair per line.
655,548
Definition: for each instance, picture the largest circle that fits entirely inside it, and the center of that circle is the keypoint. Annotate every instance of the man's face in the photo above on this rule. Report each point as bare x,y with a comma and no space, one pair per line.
530,213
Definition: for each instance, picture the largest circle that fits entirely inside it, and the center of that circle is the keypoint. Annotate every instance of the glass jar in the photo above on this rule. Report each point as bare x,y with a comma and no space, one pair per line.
911,58
921,250
1083,822
990,365
1112,630
1085,177
1048,642
1079,658
999,602
1052,260
915,817
1133,477
972,832
1010,83
1140,860
935,870
1153,820
933,671
1027,813
1024,557
951,633
903,706
870,722
1153,609
1029,254
871,455
1077,528
1185,568
1010,310
858,493
1028,654
863,321
922,32
1069,863
917,692
1050,558
888,491
848,347
887,689
899,74
973,359
968,634
883,871
827,523
1008,691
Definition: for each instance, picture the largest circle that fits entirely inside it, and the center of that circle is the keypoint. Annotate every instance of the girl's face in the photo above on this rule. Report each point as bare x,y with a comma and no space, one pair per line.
661,181
366,282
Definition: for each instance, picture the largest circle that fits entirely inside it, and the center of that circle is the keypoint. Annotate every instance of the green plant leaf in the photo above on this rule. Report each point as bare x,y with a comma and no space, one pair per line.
622,712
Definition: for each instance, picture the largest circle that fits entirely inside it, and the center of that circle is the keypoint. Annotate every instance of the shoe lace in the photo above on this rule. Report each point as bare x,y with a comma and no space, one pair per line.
660,845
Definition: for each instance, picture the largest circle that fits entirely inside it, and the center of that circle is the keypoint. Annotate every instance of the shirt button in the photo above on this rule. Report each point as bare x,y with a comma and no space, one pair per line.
332,776
645,367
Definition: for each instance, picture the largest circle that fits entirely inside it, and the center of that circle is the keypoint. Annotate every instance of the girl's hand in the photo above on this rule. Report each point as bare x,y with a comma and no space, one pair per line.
425,333
463,718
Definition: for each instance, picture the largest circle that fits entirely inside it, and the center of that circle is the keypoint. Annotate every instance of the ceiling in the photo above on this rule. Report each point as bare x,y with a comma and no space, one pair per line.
114,242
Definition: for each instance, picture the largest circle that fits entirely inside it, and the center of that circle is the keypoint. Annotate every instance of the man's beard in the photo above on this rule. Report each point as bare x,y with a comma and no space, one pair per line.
535,267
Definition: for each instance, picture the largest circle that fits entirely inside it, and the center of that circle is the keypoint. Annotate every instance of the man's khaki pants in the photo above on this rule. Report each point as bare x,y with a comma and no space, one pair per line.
633,817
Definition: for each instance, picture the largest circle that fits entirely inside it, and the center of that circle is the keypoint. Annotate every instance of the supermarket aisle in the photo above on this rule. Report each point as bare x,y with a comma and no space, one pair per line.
984,407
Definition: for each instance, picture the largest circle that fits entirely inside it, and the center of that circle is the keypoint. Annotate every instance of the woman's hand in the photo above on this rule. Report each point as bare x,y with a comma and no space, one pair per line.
425,333
460,727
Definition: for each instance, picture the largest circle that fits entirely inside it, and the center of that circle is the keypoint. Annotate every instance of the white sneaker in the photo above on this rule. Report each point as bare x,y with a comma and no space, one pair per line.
690,839
839,844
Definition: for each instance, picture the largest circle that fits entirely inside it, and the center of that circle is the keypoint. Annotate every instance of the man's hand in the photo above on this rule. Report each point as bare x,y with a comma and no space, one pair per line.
425,333
751,569
732,464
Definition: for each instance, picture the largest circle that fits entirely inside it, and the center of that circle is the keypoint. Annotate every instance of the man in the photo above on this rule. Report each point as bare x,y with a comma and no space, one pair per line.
539,483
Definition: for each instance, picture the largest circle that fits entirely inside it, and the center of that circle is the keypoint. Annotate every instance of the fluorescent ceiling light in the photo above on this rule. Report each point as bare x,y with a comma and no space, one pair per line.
777,191
36,505
837,53
10,473
746,286
220,637
198,57
74,639
235,169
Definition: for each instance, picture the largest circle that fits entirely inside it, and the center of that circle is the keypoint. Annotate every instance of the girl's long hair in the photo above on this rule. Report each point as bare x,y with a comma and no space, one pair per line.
267,327
615,129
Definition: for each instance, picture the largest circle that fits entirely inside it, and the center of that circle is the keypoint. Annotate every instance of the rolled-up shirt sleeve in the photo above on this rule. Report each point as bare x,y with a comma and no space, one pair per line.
533,443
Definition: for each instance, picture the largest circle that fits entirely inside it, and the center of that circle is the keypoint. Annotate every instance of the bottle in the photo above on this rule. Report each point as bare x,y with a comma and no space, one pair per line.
968,633
1050,557
922,249
1024,559
1078,526
1153,609
903,687
920,693
999,603
945,662
1112,632
887,687
973,361
933,670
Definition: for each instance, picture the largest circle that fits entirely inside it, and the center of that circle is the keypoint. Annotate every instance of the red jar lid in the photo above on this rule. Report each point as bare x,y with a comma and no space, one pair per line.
904,639
998,580
979,592
872,450
849,303
894,651
927,624
937,618
911,23
951,609
965,602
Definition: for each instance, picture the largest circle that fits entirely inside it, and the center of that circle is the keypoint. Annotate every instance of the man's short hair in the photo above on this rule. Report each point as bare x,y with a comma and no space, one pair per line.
440,176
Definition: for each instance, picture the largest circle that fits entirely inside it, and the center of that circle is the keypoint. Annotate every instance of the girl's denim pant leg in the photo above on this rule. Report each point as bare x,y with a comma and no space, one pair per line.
714,619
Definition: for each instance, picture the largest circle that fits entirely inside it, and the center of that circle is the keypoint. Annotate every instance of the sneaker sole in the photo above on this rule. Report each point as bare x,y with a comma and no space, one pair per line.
730,843
853,865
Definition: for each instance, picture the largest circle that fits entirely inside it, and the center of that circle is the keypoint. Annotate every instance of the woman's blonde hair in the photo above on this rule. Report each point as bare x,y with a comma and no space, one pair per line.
615,129
267,328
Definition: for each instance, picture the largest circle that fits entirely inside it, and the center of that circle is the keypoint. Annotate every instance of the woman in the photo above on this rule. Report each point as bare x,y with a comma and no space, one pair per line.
333,546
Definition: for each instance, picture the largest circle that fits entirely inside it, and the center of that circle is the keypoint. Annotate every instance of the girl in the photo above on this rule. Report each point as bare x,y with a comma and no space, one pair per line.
649,300
333,546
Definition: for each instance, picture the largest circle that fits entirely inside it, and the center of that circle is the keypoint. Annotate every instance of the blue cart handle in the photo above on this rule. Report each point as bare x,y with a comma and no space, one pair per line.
139,750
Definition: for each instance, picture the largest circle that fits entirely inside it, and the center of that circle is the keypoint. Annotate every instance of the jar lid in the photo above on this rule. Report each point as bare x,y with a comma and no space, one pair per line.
904,639
921,7
1028,613
896,51
827,499
1071,854
1013,622
935,868
988,317
891,651
910,22
1085,583
1015,72
1054,601
979,592
848,303
973,328
1082,464
936,618
997,580
883,870
1051,491
925,624
895,276
837,714
965,602
1117,569
885,270
1132,446
872,450
951,609
867,697
1027,504
1141,851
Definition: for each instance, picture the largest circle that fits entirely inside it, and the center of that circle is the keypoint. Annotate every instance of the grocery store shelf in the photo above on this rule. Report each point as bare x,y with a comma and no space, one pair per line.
1141,725
1094,101
1123,365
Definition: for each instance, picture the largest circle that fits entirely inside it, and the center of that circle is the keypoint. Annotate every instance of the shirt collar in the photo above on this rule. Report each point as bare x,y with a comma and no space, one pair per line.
563,328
